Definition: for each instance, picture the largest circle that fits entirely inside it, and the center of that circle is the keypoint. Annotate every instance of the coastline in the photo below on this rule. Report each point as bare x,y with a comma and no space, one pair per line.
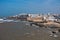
21,31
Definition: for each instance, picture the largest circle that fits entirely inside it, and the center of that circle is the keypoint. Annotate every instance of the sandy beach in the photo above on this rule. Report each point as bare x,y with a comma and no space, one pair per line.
21,31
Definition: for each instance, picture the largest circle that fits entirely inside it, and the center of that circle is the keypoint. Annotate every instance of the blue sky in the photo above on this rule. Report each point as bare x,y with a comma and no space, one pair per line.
12,7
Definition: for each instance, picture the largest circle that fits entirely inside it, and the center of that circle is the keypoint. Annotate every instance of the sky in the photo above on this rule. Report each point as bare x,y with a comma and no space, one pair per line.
13,7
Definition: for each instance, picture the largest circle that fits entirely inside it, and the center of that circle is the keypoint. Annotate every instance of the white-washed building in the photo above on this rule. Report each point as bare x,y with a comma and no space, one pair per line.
50,18
33,15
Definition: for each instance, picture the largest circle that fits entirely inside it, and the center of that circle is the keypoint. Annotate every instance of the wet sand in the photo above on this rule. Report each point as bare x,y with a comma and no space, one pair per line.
21,31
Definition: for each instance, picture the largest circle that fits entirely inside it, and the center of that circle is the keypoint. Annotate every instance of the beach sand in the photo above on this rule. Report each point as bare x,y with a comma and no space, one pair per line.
21,31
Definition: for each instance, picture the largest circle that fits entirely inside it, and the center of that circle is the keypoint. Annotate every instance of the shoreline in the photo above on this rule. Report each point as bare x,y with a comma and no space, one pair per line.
21,31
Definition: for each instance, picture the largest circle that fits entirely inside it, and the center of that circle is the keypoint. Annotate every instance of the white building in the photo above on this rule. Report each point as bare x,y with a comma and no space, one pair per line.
33,15
50,18
1,19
